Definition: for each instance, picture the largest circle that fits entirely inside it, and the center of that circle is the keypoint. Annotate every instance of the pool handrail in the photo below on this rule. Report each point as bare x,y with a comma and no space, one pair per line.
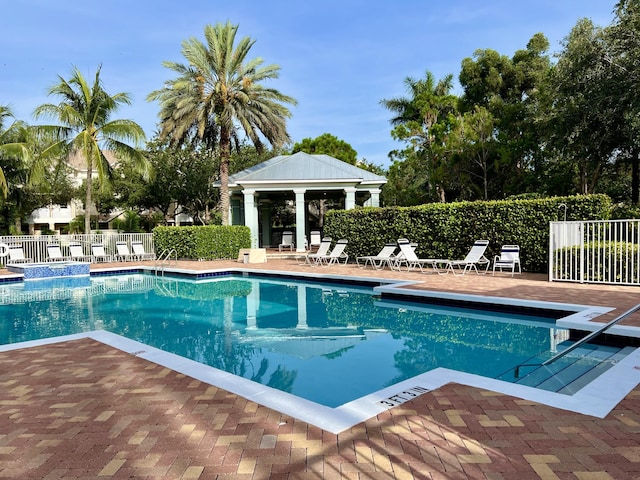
164,258
583,340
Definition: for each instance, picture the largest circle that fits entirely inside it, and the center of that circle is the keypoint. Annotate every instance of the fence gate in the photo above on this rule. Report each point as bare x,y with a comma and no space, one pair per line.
598,251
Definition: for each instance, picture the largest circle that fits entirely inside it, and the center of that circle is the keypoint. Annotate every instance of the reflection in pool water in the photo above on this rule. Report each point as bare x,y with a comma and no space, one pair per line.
329,343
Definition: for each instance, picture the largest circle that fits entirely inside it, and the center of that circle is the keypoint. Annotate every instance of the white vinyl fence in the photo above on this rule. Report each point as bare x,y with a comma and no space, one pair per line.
603,251
35,246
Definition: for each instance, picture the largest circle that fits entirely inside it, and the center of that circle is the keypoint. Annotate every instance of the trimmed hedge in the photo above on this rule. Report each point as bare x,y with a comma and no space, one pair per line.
210,242
447,230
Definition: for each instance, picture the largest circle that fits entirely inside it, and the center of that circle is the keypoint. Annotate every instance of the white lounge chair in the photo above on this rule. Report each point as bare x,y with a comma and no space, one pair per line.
77,252
323,250
16,254
287,241
54,253
315,239
509,258
99,254
122,252
409,258
474,258
386,256
140,253
335,255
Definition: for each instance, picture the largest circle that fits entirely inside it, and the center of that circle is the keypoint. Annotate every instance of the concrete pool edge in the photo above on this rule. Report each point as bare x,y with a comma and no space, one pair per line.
596,399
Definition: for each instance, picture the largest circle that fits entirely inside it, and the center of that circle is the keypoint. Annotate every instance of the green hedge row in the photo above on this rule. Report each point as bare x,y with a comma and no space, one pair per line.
447,230
211,242
621,263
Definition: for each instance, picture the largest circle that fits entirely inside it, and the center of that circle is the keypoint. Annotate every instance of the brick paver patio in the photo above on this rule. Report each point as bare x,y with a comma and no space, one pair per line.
84,410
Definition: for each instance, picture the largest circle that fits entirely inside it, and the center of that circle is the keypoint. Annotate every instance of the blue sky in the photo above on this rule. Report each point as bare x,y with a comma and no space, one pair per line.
337,58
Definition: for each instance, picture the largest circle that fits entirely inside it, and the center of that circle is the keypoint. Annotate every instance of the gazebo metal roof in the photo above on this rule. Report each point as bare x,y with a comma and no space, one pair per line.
303,167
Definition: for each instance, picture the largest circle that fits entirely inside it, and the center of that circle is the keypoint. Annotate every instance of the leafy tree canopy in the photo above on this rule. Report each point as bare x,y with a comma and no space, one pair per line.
329,145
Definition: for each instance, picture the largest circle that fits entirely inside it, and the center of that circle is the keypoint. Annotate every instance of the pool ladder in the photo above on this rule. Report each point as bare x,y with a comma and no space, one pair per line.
583,340
164,259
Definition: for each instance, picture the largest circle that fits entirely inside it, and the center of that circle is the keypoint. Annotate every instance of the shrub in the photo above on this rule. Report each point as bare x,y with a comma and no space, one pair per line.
447,230
210,242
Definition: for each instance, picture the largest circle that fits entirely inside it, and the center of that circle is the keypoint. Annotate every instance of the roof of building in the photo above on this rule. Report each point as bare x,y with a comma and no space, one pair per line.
305,167
77,160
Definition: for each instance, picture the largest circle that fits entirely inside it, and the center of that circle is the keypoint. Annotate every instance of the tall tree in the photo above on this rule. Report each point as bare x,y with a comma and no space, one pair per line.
508,88
219,94
84,114
623,40
329,145
22,172
476,147
424,121
12,144
580,119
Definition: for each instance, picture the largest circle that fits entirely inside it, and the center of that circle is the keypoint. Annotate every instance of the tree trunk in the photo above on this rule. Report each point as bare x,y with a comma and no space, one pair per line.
584,185
635,177
87,205
225,142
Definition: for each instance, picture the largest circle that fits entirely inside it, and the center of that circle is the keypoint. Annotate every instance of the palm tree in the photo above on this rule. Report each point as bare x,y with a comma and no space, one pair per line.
218,95
12,144
84,113
424,121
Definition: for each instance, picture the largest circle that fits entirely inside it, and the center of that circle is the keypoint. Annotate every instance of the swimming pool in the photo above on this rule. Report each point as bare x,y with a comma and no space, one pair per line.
328,343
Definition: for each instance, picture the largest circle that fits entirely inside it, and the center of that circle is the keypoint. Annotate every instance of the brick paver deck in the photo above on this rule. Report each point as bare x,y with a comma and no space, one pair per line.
84,410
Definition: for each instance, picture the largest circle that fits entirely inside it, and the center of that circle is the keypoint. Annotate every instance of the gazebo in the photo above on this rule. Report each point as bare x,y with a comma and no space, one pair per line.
294,181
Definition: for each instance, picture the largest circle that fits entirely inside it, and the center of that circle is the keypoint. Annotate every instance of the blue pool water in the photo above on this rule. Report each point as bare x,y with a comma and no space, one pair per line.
329,343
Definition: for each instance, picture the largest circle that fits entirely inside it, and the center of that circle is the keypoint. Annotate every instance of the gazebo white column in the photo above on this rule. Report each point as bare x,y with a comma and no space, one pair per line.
374,200
302,308
253,302
350,200
251,215
301,218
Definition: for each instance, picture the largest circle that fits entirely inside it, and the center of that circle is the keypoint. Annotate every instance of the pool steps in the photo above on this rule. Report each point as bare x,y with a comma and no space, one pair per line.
572,372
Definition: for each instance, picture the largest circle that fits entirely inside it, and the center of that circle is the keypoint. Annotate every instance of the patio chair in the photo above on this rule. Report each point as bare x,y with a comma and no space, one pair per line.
139,251
474,258
122,252
287,241
335,255
16,255
54,253
99,254
509,258
408,257
315,238
386,256
323,250
76,252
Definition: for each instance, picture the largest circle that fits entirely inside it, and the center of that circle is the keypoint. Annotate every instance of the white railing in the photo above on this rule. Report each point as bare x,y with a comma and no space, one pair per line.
602,251
35,246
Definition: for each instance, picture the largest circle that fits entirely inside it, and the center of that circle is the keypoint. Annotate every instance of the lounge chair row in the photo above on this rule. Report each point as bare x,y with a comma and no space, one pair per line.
509,259
100,254
77,253
325,255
